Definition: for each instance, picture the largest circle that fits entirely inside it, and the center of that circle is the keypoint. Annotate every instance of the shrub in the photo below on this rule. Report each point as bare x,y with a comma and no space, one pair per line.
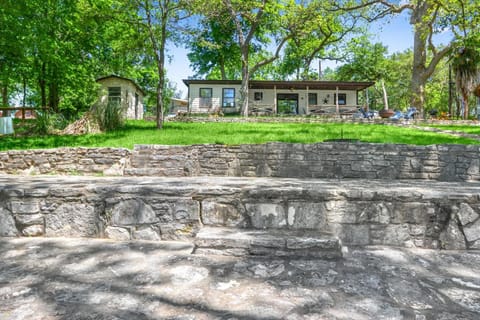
42,124
109,116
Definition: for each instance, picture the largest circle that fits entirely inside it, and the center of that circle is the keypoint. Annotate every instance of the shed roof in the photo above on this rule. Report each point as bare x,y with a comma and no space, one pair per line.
122,78
294,85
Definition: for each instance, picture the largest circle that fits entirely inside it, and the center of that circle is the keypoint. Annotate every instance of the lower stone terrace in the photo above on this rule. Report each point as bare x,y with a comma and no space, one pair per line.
406,213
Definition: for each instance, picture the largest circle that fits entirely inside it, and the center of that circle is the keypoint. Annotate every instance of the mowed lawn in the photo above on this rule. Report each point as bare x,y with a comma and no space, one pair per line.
180,133
471,129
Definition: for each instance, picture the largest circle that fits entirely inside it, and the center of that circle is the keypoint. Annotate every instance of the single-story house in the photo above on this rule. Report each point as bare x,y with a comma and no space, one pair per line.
178,105
276,97
123,91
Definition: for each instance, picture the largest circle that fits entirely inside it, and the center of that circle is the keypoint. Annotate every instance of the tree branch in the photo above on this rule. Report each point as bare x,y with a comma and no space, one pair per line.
236,21
256,21
273,58
431,46
435,60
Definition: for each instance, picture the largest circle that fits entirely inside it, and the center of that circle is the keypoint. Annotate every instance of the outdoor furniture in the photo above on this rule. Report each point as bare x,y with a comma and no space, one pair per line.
410,113
261,109
332,110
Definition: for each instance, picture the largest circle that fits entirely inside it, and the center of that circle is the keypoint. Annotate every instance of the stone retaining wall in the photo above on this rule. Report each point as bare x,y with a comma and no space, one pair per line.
340,160
69,161
421,214
320,160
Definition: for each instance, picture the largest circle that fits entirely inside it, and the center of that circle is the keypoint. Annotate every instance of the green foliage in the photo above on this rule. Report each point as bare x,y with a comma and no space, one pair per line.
43,123
46,122
214,52
466,66
368,61
109,116
436,89
315,36
52,51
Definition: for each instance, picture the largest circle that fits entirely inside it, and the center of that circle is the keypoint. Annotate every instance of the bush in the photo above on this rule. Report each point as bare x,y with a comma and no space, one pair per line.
109,116
43,123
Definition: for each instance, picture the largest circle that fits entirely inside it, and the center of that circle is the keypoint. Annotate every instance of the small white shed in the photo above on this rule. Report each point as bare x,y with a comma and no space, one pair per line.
124,91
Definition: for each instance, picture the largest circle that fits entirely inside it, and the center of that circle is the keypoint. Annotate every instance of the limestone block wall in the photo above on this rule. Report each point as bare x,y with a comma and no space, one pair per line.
74,161
109,209
340,160
426,215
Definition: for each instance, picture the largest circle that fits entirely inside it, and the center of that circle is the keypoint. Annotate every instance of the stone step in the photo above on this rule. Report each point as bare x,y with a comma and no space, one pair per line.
267,242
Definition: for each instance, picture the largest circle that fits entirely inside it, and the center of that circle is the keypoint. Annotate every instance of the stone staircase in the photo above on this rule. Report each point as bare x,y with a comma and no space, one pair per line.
267,242
241,215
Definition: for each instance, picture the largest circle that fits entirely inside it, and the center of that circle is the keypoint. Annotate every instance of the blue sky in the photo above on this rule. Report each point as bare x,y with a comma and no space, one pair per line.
396,34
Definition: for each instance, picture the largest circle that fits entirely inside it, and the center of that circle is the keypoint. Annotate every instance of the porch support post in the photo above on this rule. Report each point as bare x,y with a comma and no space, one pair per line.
307,102
189,103
275,99
367,100
337,108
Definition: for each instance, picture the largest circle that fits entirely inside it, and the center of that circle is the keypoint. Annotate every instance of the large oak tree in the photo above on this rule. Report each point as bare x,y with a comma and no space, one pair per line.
427,18
267,26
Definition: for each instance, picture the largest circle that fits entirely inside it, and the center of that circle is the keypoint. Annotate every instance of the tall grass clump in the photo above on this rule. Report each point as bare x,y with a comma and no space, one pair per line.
109,116
43,123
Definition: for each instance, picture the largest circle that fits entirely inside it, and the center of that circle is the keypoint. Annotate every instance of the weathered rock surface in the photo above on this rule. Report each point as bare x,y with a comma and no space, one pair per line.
7,224
407,213
266,242
340,160
78,279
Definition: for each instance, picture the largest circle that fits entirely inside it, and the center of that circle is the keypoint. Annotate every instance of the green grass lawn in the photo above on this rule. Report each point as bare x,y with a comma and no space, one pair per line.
179,133
472,129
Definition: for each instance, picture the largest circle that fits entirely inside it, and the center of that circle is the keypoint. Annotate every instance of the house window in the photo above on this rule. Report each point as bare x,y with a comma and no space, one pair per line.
228,98
312,99
342,98
114,95
205,92
258,96
206,98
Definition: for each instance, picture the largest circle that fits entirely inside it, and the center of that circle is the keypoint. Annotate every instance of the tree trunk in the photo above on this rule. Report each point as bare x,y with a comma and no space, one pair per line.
158,46
465,104
222,68
160,86
159,115
418,92
385,96
161,70
24,98
421,71
4,94
53,96
245,82
43,85
478,108
419,57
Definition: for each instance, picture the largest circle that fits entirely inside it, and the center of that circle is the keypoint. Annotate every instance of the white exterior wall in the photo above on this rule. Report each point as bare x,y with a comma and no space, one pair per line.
268,97
217,92
128,90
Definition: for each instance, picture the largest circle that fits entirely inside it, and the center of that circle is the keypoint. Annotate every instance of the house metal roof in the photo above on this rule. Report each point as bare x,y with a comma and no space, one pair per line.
293,85
122,78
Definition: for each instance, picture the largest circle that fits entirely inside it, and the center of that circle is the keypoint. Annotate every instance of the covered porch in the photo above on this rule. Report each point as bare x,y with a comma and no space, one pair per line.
307,97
